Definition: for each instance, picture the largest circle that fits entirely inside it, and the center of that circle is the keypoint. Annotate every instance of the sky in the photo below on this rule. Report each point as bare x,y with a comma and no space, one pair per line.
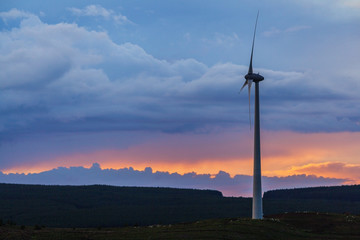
146,93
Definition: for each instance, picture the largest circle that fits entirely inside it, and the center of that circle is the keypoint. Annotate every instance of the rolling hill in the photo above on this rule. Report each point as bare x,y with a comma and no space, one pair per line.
109,206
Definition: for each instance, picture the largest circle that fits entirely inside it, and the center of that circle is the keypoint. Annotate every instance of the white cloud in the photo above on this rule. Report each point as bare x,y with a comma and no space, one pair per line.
334,9
14,14
296,28
187,36
274,31
99,11
340,3
351,3
91,10
224,40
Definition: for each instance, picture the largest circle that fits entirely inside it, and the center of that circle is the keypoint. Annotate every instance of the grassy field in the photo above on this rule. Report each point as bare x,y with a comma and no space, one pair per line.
284,226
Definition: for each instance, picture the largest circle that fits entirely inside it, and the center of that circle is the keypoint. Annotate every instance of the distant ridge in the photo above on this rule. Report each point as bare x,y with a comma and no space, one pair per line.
111,206
123,191
343,193
102,205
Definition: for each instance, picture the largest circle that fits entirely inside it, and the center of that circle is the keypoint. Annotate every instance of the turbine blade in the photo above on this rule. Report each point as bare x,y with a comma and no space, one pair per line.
252,49
249,90
245,83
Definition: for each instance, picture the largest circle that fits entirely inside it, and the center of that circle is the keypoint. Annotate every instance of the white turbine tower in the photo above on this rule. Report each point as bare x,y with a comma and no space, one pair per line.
257,212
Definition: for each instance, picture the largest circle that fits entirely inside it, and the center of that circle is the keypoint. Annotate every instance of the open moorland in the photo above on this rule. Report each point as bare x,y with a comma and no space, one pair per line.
283,226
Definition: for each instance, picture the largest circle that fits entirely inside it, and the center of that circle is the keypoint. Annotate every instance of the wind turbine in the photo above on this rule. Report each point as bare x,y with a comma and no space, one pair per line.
257,212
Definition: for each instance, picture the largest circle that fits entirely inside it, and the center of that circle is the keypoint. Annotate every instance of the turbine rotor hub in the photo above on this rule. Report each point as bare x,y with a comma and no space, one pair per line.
254,77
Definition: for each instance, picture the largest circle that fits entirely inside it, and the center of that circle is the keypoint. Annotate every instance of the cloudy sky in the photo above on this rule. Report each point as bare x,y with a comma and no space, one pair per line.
136,84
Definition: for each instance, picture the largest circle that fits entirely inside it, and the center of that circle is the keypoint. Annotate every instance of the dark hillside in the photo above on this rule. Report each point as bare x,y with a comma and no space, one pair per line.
99,205
343,193
109,206
97,195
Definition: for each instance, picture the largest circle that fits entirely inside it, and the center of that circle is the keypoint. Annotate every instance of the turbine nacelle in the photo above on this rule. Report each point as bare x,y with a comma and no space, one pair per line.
255,77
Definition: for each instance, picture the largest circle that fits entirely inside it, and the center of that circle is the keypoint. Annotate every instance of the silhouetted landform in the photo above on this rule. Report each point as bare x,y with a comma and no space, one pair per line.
294,226
109,206
344,193
100,205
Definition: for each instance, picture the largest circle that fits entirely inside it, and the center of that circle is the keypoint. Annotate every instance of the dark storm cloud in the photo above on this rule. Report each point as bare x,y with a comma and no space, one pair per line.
65,78
239,185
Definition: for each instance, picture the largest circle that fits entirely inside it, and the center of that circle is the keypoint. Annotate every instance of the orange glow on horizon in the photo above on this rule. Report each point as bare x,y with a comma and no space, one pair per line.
204,167
283,154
